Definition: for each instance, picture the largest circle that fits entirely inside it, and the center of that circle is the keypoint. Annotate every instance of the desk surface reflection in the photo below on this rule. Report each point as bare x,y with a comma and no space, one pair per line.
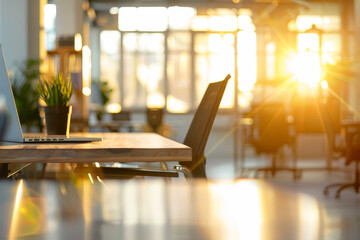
155,209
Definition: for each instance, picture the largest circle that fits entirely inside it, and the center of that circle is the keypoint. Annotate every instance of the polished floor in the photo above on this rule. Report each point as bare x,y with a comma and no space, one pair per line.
341,217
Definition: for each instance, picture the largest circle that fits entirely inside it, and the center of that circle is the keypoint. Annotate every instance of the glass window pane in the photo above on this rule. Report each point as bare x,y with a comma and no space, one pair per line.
246,63
270,60
128,19
143,19
179,41
223,23
144,72
130,42
179,77
323,22
110,61
151,42
199,23
153,18
201,43
331,48
134,94
180,17
308,42
213,65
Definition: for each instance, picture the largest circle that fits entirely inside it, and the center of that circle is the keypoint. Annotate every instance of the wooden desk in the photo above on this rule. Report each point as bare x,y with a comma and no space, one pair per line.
115,147
115,125
157,210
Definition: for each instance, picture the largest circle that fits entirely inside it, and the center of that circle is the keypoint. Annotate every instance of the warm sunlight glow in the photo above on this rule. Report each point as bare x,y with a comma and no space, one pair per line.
324,84
309,214
246,64
242,197
15,214
90,177
113,108
176,105
180,17
78,42
307,68
155,100
245,23
86,70
49,16
143,18
29,212
199,23
99,179
114,10
86,91
222,23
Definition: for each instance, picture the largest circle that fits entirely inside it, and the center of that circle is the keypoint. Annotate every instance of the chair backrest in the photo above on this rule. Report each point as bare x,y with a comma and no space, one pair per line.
271,130
201,125
330,115
154,117
307,116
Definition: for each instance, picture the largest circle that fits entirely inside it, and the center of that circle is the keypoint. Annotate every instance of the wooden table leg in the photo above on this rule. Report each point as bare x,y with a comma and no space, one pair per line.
4,170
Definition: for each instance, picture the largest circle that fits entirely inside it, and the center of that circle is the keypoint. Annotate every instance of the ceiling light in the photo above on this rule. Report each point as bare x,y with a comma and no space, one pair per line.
114,10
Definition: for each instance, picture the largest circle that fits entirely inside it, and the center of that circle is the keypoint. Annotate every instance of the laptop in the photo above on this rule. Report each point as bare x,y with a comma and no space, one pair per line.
13,131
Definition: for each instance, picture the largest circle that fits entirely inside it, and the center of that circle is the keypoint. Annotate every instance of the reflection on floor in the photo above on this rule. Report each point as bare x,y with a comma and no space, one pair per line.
341,216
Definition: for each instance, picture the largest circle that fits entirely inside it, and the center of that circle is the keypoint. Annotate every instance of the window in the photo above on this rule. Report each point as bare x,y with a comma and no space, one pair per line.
168,56
49,26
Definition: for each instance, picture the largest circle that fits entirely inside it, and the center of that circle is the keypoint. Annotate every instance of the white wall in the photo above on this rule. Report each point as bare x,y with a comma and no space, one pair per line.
14,30
68,17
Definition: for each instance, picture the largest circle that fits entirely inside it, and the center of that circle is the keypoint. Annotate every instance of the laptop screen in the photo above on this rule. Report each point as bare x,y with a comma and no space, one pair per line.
13,130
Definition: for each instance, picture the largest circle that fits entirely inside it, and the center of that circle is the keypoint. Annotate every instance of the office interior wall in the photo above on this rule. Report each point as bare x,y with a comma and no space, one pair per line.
14,30
69,18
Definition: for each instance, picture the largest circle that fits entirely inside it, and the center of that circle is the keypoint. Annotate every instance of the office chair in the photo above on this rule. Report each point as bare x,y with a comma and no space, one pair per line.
154,117
196,138
352,154
330,115
270,134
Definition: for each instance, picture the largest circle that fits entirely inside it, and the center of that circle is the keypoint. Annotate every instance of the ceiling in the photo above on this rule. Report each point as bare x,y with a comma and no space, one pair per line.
105,5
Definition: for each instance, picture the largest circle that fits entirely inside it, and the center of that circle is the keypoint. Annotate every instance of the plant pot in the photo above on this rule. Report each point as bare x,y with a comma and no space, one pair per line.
57,120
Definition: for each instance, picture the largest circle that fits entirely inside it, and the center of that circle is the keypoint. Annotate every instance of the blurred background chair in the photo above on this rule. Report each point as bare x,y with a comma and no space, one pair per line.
271,133
196,138
352,155
336,145
155,122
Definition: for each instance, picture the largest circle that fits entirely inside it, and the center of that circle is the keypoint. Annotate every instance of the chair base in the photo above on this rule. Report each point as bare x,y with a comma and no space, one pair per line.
343,186
296,172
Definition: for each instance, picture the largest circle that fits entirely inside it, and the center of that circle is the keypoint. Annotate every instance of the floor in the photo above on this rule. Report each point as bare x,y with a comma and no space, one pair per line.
341,217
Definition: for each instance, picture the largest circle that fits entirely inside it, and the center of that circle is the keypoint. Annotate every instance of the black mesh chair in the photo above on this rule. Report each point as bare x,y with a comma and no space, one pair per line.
352,155
270,134
196,138
330,114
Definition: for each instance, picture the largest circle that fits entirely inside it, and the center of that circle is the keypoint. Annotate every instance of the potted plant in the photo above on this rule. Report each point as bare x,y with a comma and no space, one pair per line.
105,93
23,83
56,93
